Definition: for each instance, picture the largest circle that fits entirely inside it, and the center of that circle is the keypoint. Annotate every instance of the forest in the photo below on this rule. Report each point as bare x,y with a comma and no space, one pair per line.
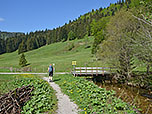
89,24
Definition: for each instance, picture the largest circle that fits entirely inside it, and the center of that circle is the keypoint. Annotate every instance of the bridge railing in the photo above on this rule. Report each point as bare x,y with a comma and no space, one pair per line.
92,70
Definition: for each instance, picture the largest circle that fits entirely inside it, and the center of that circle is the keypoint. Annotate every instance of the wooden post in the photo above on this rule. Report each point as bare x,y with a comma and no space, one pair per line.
96,71
73,64
74,69
103,71
110,70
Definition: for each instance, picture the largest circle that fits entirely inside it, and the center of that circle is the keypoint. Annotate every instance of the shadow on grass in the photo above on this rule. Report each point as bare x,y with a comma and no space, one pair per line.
55,80
27,64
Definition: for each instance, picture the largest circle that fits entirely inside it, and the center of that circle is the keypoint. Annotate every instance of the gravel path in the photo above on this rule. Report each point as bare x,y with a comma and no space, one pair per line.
32,73
65,106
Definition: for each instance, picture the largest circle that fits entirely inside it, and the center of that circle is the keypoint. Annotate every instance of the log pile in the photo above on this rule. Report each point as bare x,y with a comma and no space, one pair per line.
12,102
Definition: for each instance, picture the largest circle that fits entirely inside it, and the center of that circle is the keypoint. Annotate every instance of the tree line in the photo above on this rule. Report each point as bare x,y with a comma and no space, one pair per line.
5,35
125,40
77,28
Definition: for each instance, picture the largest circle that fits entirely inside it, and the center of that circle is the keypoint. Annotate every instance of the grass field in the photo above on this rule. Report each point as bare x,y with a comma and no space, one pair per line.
61,54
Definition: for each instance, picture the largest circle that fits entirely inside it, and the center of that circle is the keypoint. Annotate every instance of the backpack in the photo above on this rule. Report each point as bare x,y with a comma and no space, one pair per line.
50,69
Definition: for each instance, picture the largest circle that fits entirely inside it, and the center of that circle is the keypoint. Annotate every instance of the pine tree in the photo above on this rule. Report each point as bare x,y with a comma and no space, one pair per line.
71,35
22,61
22,47
2,46
123,1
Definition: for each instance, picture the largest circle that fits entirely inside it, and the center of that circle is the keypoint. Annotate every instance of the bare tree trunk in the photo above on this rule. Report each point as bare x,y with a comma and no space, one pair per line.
148,68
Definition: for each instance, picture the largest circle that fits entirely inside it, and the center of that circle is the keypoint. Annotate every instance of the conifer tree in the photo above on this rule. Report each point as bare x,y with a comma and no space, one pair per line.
2,46
71,35
123,1
22,47
22,61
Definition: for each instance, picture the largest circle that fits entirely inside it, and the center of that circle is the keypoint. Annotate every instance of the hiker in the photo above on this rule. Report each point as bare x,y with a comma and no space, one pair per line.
50,70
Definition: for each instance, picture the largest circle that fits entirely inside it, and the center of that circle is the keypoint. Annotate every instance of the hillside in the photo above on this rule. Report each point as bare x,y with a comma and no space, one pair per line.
77,28
61,54
9,41
5,35
98,24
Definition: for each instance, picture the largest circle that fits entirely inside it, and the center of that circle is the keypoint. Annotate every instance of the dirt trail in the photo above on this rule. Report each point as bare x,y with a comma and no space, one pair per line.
32,73
65,106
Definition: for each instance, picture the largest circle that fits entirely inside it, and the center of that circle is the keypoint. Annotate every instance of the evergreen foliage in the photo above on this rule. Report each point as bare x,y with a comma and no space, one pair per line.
77,28
98,30
22,61
71,35
5,35
2,46
22,47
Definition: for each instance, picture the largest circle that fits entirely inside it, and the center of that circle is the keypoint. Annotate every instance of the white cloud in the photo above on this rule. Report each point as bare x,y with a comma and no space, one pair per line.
1,19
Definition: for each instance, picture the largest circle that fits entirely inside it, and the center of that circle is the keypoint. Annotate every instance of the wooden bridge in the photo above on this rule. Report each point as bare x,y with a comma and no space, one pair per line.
92,71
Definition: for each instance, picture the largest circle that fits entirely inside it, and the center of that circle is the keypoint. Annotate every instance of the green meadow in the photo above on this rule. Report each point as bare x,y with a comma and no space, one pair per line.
61,54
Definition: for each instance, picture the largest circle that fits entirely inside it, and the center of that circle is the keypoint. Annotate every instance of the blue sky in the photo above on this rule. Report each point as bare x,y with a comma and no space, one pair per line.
31,15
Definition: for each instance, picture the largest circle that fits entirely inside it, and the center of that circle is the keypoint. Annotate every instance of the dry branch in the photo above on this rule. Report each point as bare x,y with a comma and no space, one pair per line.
12,102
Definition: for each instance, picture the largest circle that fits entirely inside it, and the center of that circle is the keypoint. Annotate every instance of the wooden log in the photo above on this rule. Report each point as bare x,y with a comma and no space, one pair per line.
12,102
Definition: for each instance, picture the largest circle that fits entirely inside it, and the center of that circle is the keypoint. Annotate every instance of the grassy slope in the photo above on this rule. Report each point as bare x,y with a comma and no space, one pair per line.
57,53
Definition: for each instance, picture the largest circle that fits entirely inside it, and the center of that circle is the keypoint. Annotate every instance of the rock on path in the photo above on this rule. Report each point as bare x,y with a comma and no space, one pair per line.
65,106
